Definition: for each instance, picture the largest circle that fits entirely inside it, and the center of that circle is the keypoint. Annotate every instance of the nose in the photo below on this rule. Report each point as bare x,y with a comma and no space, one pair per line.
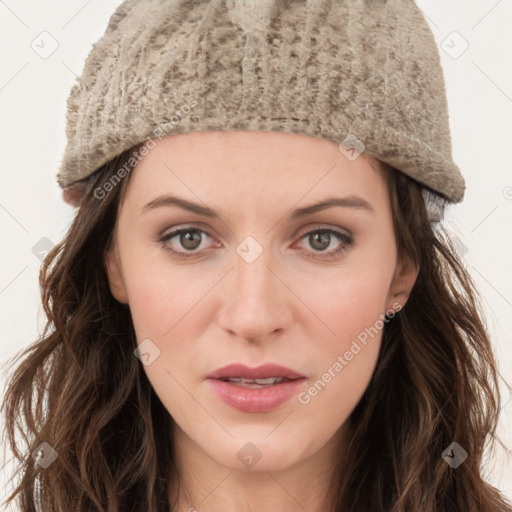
257,299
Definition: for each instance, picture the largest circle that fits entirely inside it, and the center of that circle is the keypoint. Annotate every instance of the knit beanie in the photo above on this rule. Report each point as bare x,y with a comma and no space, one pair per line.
365,74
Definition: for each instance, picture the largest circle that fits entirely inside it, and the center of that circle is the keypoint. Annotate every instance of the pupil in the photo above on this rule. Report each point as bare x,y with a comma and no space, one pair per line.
188,241
324,239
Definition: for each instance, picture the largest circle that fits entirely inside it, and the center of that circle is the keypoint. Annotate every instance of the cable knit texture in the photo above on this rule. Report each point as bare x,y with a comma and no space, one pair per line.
349,71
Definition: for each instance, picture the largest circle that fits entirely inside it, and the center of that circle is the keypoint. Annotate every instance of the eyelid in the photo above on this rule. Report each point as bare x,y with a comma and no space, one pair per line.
318,226
167,235
344,237
307,230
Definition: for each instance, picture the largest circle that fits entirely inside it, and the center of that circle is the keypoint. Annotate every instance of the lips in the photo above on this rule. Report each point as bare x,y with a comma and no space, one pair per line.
255,390
267,371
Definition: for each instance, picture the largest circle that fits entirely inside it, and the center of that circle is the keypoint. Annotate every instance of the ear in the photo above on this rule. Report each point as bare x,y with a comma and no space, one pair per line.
115,277
402,284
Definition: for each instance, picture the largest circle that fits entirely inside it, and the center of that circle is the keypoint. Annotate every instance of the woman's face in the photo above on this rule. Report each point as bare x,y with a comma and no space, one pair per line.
258,276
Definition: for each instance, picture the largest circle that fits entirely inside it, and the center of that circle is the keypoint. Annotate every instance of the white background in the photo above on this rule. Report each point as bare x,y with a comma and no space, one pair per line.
33,92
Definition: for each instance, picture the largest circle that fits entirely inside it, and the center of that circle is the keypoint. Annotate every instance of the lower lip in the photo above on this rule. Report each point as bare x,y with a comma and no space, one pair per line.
256,399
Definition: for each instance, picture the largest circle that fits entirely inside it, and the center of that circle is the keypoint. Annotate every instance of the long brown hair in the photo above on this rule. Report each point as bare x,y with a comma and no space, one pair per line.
80,389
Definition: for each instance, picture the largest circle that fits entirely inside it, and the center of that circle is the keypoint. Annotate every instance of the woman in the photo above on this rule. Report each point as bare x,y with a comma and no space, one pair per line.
256,307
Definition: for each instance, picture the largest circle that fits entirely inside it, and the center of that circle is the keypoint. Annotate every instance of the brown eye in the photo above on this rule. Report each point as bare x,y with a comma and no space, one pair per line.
321,239
188,241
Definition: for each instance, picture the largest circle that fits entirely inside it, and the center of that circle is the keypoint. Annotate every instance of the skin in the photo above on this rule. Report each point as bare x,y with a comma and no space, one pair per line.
292,305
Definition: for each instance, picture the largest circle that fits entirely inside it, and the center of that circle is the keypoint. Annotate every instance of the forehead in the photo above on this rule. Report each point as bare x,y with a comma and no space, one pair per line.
244,166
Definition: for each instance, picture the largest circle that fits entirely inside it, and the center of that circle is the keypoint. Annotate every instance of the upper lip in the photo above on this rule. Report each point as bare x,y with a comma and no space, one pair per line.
261,372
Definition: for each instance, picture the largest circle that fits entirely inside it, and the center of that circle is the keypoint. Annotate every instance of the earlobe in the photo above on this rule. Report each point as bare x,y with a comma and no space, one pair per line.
401,285
115,277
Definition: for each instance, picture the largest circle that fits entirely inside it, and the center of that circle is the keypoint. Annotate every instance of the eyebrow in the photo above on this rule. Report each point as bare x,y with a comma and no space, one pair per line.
346,202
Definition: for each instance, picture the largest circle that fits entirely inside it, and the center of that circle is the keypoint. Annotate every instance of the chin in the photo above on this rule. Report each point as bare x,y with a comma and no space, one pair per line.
255,454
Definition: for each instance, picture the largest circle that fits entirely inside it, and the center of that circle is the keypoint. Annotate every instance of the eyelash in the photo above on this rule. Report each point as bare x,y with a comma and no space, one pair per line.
342,237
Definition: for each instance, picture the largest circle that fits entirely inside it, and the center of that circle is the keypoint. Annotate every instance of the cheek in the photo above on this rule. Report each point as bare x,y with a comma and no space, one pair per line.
352,307
354,314
346,359
160,293
352,299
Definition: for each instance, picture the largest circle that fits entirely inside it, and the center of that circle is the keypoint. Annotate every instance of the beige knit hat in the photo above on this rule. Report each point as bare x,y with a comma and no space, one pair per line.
364,74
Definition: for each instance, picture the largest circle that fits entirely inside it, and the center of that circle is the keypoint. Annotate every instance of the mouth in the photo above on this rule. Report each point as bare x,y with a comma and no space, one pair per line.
256,383
255,390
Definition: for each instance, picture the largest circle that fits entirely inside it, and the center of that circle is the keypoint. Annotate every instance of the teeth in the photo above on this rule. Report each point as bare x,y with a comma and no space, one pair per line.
254,383
270,380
